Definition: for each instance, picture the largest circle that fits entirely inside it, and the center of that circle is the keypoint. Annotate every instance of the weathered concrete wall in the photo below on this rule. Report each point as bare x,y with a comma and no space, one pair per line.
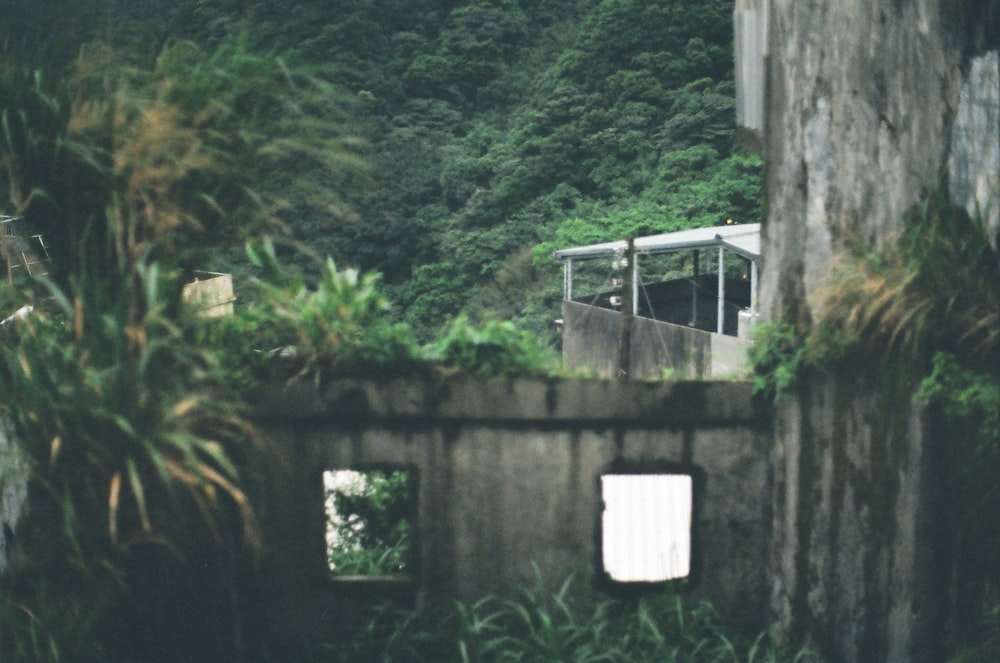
974,156
870,105
13,495
591,338
855,540
508,474
862,106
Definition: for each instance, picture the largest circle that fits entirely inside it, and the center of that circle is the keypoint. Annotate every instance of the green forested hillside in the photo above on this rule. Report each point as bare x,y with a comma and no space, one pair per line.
497,129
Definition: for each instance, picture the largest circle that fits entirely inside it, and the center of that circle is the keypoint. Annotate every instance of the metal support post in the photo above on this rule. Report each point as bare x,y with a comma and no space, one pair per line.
722,291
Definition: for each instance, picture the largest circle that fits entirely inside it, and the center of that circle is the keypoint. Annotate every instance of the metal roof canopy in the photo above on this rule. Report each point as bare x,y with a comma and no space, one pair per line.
743,240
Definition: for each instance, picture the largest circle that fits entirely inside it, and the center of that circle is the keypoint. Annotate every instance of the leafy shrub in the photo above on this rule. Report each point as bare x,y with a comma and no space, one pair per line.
965,395
777,356
494,348
340,322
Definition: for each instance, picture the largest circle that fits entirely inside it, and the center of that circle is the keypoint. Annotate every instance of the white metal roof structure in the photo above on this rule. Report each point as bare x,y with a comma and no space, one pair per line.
22,249
743,240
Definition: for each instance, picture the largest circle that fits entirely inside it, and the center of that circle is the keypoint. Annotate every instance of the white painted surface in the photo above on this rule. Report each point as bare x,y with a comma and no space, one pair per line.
646,526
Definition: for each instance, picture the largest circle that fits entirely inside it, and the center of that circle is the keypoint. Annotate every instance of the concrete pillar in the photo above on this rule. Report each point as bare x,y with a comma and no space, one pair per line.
866,103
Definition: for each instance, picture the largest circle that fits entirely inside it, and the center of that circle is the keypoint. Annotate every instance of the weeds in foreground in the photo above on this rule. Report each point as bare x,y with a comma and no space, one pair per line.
132,449
541,628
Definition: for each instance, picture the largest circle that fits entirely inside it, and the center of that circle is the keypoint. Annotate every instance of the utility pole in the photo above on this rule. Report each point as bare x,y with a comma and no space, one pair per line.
627,310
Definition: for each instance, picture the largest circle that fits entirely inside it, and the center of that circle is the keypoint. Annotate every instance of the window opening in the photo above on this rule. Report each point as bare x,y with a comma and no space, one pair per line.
370,516
646,526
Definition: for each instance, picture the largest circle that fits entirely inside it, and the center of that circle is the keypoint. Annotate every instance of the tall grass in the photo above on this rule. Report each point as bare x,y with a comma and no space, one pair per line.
140,527
132,449
553,628
192,150
937,287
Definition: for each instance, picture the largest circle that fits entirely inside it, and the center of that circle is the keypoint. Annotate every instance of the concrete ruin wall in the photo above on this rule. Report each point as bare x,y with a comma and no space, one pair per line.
869,106
508,482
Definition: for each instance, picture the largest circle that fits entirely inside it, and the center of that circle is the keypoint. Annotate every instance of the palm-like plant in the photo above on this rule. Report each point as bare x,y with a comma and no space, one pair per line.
130,173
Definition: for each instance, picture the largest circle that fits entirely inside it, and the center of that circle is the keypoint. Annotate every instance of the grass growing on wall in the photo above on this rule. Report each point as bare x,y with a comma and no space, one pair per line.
933,293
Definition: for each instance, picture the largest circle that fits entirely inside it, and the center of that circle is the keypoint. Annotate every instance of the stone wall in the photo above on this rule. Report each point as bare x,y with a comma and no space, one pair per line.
870,106
508,485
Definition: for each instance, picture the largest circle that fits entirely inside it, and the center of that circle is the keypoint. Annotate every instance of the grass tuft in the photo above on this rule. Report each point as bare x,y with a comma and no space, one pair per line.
539,628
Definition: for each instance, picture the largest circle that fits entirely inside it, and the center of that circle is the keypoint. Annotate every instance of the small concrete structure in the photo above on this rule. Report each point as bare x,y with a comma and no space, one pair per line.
22,251
682,326
210,293
592,336
509,486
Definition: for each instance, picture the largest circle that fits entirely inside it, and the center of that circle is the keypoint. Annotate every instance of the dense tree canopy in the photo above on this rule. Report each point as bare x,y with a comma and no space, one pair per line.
495,127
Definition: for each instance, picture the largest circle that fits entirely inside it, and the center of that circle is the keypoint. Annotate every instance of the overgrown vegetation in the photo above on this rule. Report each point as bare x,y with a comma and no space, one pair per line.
777,356
342,324
140,526
542,628
493,127
132,447
931,295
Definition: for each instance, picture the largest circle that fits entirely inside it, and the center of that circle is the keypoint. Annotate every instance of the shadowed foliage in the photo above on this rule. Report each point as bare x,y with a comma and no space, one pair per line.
140,521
